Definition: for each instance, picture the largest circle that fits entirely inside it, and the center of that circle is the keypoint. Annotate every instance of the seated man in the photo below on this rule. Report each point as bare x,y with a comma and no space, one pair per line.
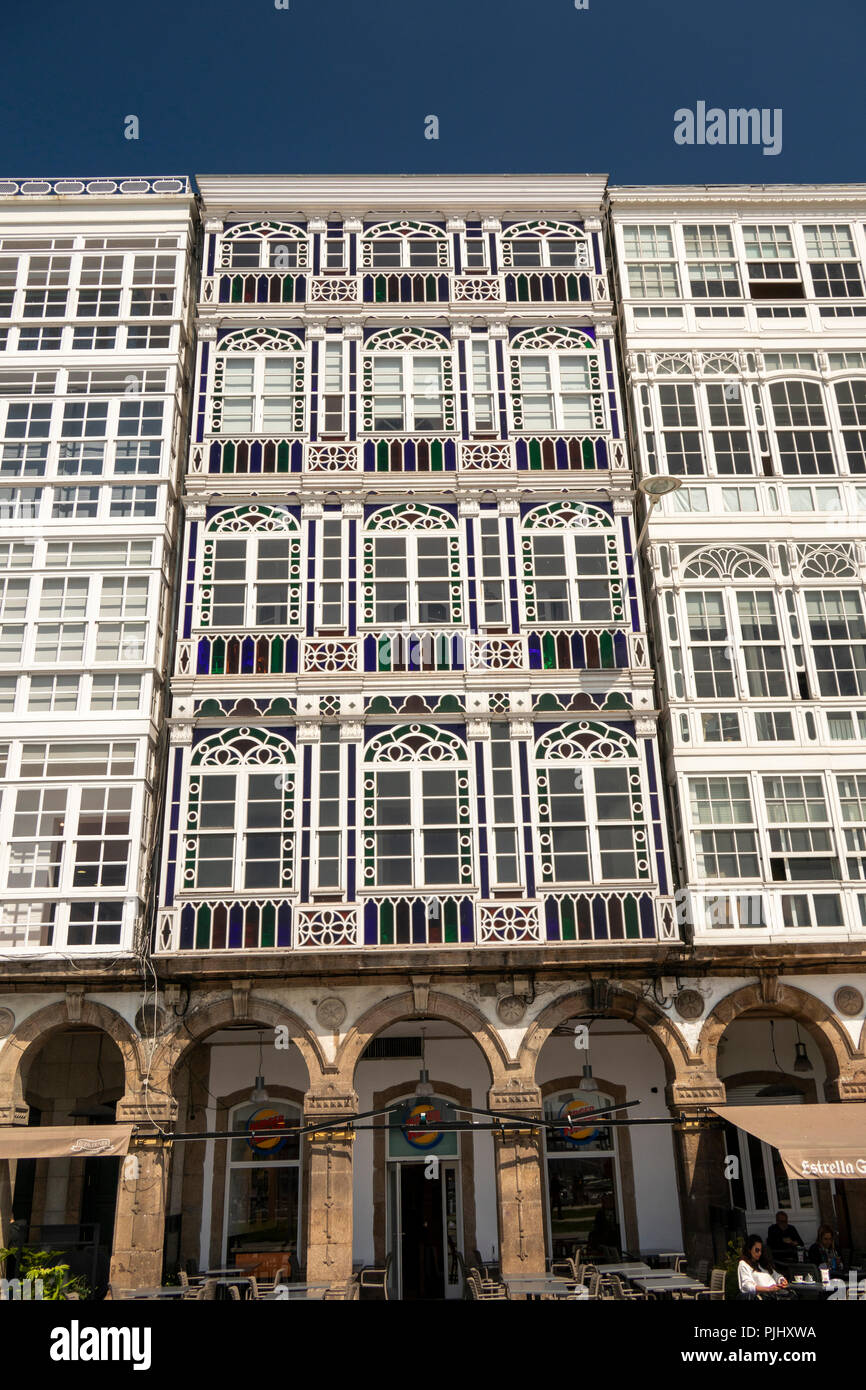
783,1238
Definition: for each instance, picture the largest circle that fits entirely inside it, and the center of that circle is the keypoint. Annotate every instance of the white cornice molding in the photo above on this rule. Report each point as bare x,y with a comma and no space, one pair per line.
373,195
737,198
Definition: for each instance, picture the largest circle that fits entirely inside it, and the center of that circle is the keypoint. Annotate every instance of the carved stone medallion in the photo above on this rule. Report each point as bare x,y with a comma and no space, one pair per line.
511,1008
848,1000
331,1012
689,1004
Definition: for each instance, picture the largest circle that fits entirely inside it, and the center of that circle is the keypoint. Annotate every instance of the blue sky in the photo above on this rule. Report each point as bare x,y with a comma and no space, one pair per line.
337,86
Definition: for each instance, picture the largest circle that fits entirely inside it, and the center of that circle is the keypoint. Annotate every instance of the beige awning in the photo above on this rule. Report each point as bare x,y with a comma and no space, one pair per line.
814,1141
64,1141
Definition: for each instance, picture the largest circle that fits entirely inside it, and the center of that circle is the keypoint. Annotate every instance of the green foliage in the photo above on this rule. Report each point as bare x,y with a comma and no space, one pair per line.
732,1259
44,1264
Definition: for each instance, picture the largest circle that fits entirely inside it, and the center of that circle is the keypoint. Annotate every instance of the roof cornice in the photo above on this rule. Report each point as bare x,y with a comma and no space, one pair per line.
790,197
375,195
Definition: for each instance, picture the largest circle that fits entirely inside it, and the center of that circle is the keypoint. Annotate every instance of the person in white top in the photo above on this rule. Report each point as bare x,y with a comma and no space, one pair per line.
755,1272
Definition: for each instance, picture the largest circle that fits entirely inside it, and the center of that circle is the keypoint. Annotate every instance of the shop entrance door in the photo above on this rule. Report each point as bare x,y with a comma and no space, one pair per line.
423,1217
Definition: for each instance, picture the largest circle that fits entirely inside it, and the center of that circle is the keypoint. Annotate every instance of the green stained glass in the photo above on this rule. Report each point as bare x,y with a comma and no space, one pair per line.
277,647
588,451
451,919
568,926
534,453
632,920
202,928
382,454
283,456
548,651
228,463
267,933
606,649
217,658
437,461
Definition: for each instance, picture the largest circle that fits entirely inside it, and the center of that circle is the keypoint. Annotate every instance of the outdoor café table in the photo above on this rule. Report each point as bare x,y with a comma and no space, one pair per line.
672,1283
167,1291
545,1286
626,1268
284,1293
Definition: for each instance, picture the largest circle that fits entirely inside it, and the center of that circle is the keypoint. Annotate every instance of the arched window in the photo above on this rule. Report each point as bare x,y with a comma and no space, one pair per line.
272,245
241,813
582,1188
537,245
556,381
259,383
590,806
417,829
404,246
412,571
571,569
407,382
851,404
263,1180
736,642
251,569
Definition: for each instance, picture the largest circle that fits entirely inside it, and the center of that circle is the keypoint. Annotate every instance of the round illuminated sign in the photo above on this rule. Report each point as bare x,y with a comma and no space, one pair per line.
423,1138
576,1134
264,1130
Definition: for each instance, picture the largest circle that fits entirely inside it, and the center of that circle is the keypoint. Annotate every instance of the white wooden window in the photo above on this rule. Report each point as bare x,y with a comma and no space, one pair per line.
327,809
650,262
408,391
258,394
482,399
251,581
333,562
724,833
556,391
503,781
332,389
492,571
242,840
590,826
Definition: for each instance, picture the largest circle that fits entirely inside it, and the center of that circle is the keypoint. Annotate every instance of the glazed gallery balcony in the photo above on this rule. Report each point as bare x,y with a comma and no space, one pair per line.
264,455
410,919
278,287
254,653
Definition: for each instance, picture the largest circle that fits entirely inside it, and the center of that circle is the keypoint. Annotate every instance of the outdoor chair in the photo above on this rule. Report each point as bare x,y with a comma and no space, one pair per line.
201,1293
487,1270
268,1285
564,1268
376,1279
234,1293
716,1290
485,1290
619,1291
592,1281
679,1264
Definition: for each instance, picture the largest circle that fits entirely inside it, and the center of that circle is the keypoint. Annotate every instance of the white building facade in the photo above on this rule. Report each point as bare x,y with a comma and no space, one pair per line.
742,313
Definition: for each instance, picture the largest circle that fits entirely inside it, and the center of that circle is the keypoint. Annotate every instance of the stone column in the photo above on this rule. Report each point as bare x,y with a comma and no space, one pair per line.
700,1152
329,1186
142,1192
519,1181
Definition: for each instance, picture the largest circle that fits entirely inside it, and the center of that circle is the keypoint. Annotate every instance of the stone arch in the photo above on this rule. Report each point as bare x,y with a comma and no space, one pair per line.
836,1048
624,1004
257,1010
22,1046
437,1005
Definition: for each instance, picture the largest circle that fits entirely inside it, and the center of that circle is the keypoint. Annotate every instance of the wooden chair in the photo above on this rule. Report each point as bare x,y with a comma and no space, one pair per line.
268,1285
592,1281
376,1279
200,1293
565,1268
345,1292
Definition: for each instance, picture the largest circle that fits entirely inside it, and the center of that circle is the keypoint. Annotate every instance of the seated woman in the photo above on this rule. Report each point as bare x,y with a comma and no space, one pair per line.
756,1275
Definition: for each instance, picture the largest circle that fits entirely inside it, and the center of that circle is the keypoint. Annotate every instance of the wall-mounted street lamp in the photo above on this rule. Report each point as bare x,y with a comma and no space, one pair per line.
655,489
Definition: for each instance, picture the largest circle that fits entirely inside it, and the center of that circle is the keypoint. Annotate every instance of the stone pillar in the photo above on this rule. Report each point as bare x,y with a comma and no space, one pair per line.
142,1192
329,1186
519,1181
700,1150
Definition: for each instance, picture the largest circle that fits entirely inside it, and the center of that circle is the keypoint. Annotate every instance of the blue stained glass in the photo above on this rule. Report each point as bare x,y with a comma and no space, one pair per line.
236,927
551,919
284,925
203,657
620,646
248,656
187,927
467,920
170,870
371,920
599,920
647,918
